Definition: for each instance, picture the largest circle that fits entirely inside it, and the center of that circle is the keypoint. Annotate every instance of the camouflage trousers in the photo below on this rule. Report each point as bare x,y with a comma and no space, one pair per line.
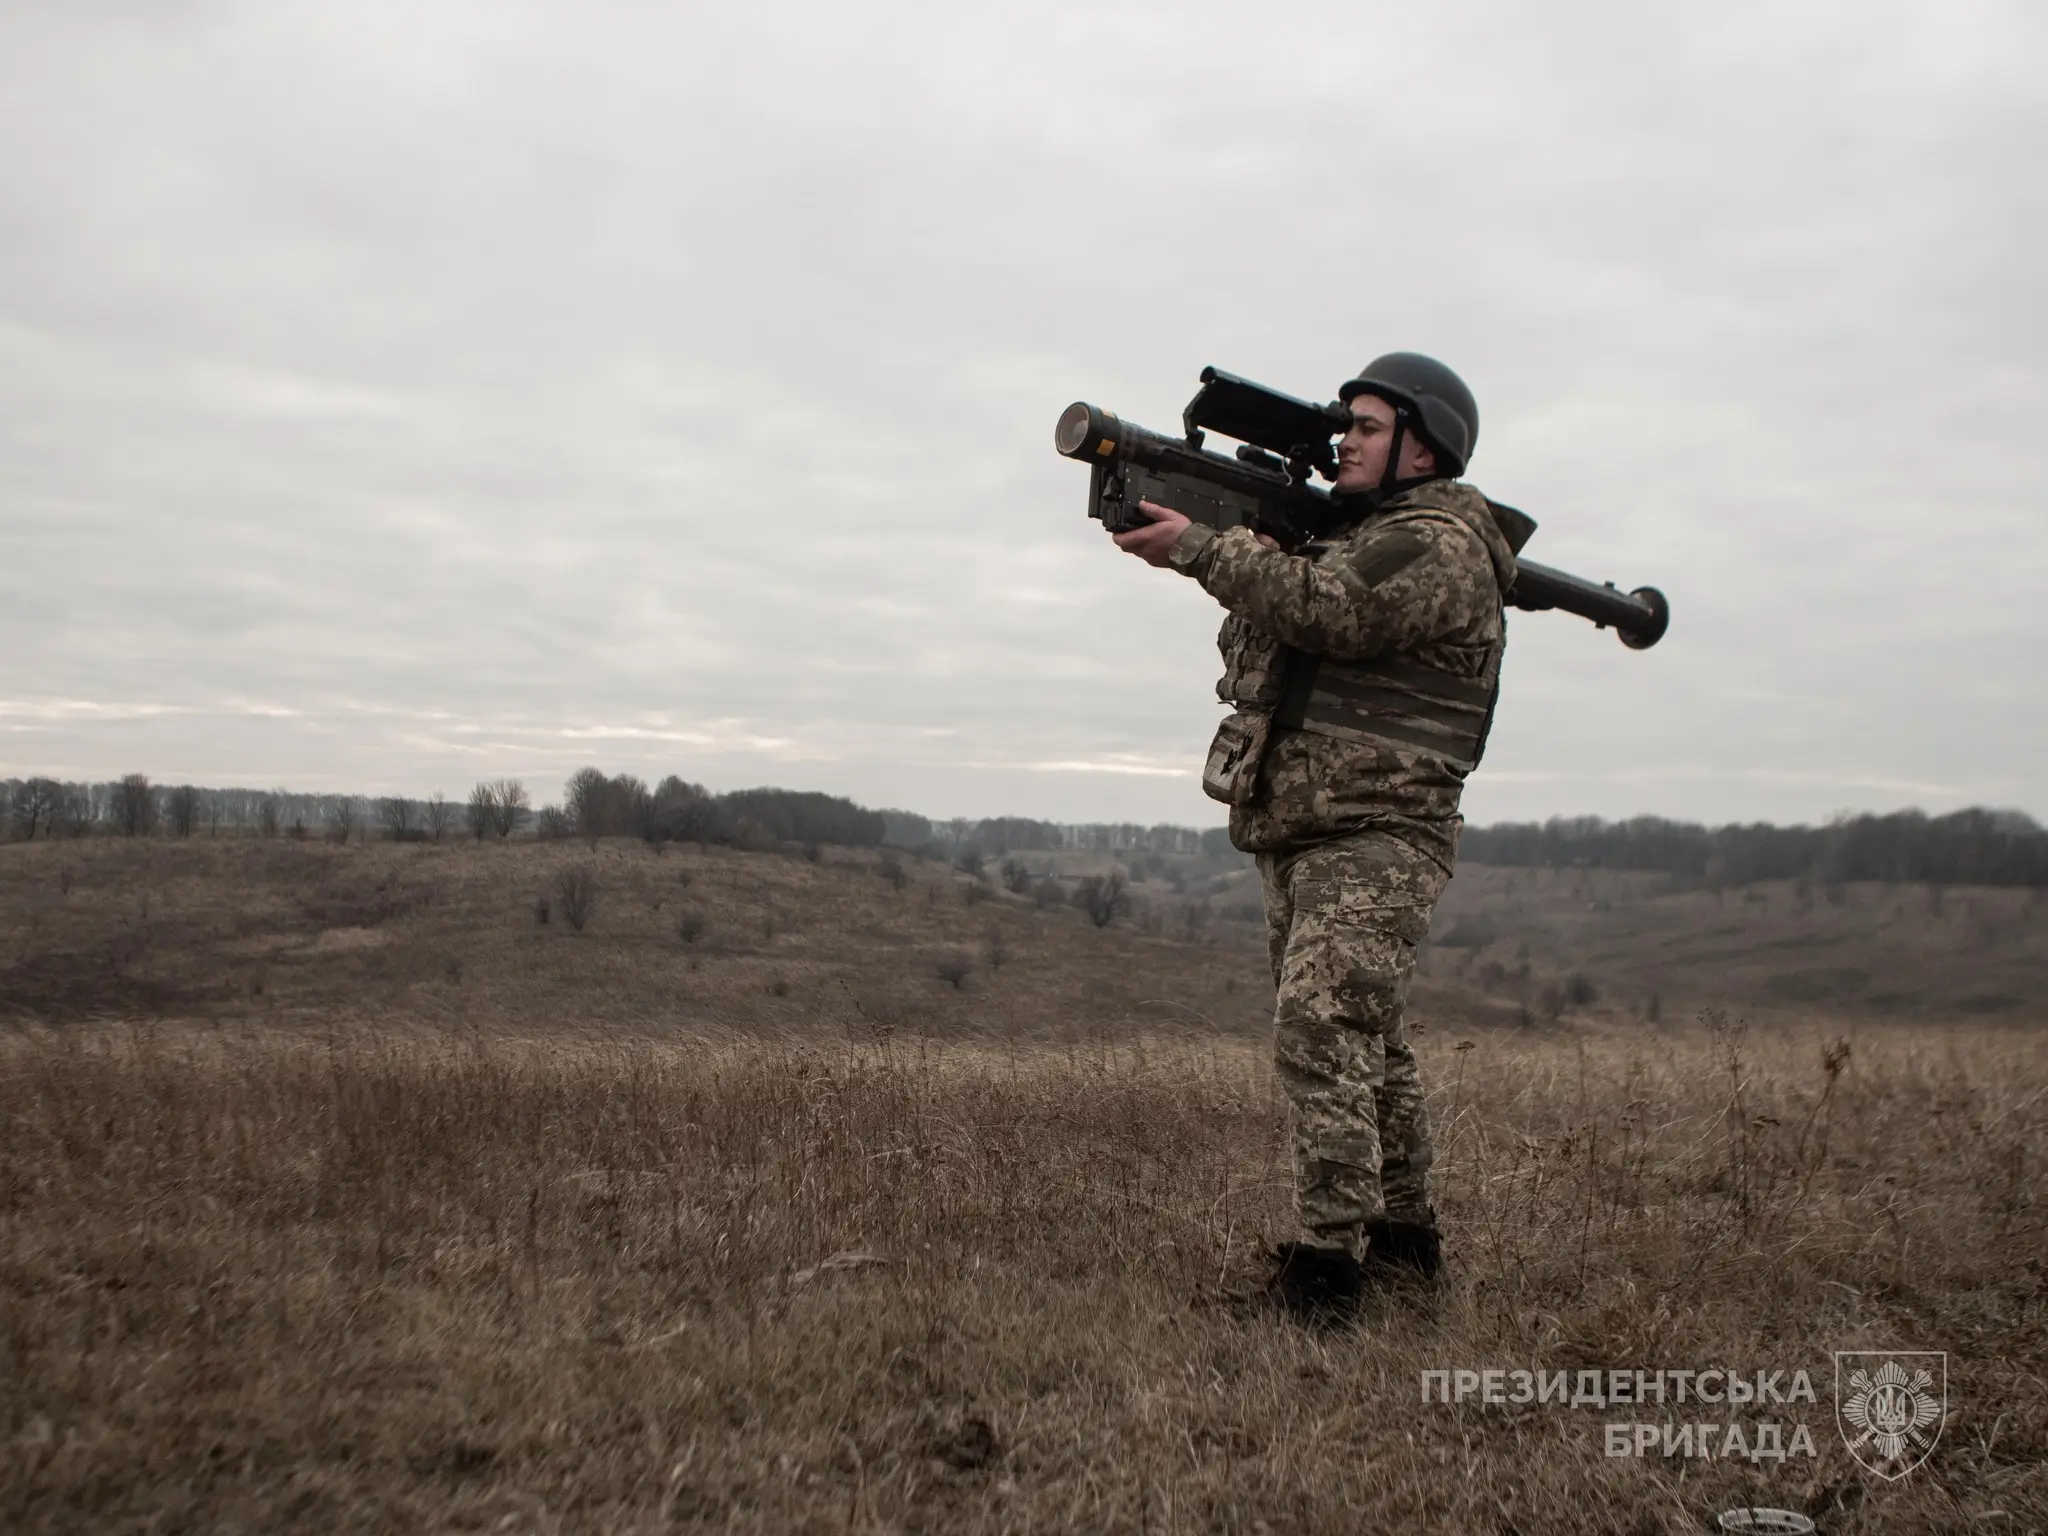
1343,920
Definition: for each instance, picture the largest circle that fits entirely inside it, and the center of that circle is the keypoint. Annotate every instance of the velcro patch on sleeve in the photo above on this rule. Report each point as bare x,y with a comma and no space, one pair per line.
1388,555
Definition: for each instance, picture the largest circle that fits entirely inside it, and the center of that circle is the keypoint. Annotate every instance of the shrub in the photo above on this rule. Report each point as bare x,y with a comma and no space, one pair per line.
576,894
1049,893
543,909
953,969
891,869
691,926
1102,897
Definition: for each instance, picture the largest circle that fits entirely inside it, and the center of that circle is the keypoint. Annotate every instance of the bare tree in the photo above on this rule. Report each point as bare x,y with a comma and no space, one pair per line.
438,815
269,816
344,817
509,803
135,805
482,811
181,810
35,806
215,808
397,814
1016,876
74,811
611,807
586,802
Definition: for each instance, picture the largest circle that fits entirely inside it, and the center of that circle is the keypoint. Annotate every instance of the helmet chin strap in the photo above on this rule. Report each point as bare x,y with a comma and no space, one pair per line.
1390,477
1392,483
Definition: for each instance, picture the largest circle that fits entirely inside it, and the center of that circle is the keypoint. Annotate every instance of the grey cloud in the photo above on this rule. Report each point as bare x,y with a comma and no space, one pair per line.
457,376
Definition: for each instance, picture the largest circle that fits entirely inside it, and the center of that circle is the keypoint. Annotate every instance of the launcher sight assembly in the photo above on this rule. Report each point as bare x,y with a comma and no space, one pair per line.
1267,484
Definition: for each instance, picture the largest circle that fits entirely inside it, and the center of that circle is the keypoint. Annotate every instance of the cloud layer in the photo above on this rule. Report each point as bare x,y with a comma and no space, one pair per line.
396,395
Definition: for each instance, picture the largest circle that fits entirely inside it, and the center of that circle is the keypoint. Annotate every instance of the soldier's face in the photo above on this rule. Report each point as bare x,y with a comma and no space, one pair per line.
1362,452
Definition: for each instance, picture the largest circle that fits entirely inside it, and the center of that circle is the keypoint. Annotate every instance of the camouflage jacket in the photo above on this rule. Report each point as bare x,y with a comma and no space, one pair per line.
1414,588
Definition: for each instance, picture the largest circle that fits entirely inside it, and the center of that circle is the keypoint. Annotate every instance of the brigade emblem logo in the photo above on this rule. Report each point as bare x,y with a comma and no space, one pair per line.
1890,1407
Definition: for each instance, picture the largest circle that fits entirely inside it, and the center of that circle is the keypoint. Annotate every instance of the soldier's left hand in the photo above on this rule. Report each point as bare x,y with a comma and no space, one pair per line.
1152,542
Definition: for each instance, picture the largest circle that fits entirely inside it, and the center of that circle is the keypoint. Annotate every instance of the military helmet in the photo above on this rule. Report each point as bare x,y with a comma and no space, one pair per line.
1442,411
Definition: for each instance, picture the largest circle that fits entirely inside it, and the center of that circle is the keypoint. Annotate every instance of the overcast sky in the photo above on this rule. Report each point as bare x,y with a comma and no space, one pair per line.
397,395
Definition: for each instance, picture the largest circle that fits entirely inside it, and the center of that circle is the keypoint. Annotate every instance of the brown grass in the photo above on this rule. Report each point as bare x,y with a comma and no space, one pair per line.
297,935
337,1193
397,1280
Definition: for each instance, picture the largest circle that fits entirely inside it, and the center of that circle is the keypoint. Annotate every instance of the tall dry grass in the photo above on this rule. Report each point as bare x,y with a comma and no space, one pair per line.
402,1281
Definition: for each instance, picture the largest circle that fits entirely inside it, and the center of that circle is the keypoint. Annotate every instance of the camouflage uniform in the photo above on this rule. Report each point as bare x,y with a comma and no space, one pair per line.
1363,670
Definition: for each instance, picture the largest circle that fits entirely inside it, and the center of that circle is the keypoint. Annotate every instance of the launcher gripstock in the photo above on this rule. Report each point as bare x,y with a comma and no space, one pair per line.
1283,443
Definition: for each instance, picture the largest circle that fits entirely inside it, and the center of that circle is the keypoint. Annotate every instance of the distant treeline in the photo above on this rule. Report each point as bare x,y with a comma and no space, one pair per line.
998,835
593,805
676,811
1973,847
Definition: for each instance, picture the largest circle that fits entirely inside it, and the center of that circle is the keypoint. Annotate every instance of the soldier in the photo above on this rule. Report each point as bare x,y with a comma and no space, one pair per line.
1362,670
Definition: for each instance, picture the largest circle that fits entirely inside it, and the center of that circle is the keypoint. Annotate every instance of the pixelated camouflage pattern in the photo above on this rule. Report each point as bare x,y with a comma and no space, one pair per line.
1421,577
1343,919
1254,666
1355,838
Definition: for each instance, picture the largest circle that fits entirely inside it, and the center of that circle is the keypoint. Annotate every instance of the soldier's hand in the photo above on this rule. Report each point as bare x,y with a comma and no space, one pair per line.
1152,542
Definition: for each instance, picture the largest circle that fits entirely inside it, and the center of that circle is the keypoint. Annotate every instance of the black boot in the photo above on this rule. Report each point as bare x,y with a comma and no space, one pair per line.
1315,1283
1412,1247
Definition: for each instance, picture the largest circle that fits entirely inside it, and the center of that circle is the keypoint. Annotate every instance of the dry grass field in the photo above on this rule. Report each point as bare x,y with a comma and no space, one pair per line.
337,1192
